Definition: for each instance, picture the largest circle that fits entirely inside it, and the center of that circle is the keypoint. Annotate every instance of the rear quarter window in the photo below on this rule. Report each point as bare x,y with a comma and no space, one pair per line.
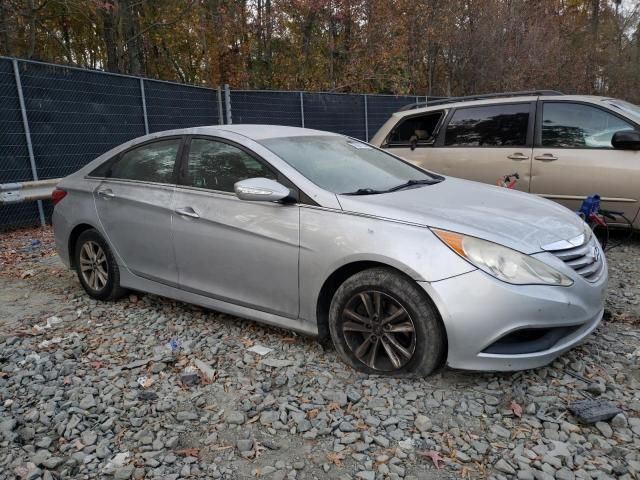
418,129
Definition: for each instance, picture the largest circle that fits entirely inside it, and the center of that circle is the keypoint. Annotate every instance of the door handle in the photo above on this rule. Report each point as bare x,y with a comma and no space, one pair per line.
106,193
518,156
187,212
547,157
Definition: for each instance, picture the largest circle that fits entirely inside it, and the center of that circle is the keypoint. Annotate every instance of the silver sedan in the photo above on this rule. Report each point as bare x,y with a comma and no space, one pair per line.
406,270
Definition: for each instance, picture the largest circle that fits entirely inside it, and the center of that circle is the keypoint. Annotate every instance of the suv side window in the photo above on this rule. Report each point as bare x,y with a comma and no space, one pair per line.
489,126
575,125
216,165
151,162
419,129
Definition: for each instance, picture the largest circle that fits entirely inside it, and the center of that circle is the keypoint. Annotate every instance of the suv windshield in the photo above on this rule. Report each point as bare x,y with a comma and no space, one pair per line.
344,165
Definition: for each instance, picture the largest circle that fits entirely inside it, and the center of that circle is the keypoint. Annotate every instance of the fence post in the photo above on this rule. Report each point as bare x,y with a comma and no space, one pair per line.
220,112
302,108
227,103
27,135
144,107
366,119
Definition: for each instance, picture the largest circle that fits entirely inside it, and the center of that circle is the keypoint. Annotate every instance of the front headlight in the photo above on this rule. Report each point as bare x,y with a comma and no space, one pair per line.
501,262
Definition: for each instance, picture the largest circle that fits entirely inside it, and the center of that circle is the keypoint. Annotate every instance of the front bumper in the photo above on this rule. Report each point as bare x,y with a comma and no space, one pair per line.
478,311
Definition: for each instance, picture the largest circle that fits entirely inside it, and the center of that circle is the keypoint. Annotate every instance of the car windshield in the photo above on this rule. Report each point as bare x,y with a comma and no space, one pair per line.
626,107
344,165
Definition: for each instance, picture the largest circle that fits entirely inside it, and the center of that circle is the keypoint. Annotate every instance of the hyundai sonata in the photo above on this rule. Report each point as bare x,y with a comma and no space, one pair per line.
320,233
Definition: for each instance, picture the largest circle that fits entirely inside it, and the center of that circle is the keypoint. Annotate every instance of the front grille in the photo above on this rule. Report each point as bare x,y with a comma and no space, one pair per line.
586,259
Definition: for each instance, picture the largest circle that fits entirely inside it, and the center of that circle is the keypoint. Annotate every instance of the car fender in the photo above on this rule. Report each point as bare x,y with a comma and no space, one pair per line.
332,239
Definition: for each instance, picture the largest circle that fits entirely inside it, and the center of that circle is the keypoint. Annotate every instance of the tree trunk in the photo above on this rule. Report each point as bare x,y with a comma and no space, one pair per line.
32,29
267,43
593,48
132,44
5,38
595,18
109,36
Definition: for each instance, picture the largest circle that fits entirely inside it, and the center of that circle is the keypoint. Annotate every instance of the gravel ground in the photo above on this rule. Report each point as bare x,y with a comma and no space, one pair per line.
98,390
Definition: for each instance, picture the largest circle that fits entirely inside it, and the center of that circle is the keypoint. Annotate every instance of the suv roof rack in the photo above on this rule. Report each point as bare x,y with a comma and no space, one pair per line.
442,101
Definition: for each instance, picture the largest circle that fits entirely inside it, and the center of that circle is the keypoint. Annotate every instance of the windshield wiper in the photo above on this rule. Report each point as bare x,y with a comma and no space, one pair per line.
365,191
407,184
411,183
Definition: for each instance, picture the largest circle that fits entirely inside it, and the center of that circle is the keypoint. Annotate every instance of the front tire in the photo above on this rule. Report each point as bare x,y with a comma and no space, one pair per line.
383,323
96,267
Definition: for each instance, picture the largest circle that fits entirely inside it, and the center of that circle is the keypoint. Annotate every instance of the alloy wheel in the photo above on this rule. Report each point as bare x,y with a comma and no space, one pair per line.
93,265
378,330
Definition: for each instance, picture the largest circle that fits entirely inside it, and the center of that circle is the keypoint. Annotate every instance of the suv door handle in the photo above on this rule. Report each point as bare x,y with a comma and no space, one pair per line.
106,193
518,156
547,157
187,212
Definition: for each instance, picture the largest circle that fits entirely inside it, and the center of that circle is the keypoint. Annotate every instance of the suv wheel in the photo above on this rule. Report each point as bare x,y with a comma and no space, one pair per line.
383,323
96,267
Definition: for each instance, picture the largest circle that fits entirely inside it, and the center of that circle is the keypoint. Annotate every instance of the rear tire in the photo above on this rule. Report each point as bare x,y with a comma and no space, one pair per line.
96,267
383,323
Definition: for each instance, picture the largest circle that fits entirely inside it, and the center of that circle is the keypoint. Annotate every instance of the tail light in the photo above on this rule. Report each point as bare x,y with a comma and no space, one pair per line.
57,195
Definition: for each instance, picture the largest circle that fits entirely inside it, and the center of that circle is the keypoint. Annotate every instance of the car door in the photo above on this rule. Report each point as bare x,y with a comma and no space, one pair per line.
237,251
133,202
574,158
486,142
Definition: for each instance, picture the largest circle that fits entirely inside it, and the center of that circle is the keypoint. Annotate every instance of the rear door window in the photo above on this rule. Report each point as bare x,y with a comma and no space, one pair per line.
151,162
575,125
504,125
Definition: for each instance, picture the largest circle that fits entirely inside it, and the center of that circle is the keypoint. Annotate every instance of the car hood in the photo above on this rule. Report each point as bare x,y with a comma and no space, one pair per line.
517,220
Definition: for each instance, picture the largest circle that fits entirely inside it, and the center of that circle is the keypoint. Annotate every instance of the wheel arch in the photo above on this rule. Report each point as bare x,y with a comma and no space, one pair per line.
73,240
342,273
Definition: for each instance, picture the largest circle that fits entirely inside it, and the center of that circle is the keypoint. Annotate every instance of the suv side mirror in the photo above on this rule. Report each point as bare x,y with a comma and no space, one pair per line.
260,190
626,140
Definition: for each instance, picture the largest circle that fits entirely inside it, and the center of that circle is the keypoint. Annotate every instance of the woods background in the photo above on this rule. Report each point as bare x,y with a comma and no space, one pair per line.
425,47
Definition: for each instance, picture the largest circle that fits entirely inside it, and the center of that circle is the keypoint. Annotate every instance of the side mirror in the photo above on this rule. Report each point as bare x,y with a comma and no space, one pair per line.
626,140
260,190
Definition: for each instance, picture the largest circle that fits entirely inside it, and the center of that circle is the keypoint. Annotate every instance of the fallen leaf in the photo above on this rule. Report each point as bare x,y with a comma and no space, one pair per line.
189,452
258,449
28,273
247,342
313,413
516,408
335,458
145,382
254,419
434,456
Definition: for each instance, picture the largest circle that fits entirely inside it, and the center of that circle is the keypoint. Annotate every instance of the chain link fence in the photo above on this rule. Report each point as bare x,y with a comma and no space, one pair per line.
55,119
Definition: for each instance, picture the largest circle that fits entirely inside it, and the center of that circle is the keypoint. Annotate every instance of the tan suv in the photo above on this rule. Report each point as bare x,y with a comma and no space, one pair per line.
563,147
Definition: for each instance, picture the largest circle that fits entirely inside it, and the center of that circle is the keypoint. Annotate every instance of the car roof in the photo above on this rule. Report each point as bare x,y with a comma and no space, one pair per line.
500,100
253,131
